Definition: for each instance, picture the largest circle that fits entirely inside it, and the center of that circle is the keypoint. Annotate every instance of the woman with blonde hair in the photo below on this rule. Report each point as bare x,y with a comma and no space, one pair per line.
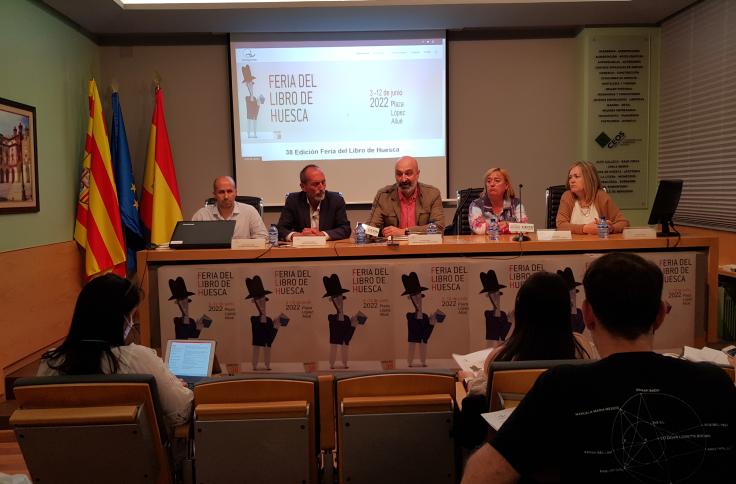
497,202
585,202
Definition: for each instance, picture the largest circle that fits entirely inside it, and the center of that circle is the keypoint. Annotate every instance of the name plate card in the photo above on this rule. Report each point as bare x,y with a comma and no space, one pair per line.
370,230
552,234
424,239
248,244
309,241
640,233
519,228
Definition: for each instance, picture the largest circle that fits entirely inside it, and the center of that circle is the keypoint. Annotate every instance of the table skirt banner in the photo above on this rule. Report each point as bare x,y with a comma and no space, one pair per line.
379,313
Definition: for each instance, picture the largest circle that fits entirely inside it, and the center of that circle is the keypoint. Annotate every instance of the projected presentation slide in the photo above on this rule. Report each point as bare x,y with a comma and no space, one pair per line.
339,100
314,102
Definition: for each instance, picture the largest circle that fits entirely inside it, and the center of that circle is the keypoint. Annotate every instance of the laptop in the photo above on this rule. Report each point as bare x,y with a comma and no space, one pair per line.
206,234
190,359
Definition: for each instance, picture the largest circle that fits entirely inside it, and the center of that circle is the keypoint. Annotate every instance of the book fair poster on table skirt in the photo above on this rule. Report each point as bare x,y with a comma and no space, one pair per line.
377,314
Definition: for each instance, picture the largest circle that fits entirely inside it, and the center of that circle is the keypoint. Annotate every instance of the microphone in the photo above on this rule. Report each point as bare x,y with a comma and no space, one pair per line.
520,237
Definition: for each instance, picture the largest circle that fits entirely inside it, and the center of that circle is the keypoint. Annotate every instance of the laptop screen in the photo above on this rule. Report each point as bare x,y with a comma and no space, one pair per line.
190,357
202,234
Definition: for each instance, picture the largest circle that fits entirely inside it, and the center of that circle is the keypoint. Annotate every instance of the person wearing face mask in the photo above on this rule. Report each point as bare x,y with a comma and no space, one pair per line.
96,345
314,210
585,201
407,205
497,202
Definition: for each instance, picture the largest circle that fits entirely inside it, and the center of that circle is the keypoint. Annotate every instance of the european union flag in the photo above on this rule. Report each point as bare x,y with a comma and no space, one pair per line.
125,183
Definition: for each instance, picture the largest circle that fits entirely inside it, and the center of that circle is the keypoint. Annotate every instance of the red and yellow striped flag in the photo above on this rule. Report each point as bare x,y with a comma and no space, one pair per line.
98,229
160,201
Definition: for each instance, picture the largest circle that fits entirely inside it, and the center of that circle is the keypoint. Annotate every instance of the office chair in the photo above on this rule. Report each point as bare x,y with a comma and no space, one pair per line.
460,224
552,197
255,202
91,429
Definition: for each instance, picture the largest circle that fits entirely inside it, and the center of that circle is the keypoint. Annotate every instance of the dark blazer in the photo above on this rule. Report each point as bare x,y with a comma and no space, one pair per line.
333,218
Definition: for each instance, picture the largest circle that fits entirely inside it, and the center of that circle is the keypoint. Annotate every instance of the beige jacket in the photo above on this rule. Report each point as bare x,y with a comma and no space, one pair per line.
386,209
603,204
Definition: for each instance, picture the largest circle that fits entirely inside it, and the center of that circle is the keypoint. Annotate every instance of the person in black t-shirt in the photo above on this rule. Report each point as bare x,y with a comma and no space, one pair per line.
634,416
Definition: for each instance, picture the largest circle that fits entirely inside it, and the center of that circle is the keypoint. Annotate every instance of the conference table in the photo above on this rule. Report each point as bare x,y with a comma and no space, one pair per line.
292,280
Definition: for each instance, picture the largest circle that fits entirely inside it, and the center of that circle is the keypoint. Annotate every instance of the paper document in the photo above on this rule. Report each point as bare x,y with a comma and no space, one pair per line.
472,362
705,354
497,418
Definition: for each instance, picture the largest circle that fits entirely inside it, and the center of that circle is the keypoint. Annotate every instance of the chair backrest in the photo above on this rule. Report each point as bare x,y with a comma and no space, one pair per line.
102,428
255,202
460,225
552,203
253,424
509,381
398,423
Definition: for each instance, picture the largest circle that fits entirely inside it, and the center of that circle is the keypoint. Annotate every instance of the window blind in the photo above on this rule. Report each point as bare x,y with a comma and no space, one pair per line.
697,122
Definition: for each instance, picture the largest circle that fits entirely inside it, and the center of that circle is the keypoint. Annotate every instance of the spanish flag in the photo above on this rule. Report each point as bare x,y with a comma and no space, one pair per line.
98,229
160,201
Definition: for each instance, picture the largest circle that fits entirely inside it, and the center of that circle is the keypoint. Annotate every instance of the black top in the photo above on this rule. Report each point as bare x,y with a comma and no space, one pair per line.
631,417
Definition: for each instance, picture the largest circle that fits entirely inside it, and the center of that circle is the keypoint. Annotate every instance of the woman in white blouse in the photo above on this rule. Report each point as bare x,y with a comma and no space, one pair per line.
95,344
585,202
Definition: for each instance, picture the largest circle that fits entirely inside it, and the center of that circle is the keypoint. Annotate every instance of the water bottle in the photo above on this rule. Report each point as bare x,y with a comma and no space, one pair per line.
431,227
273,235
493,231
602,228
359,234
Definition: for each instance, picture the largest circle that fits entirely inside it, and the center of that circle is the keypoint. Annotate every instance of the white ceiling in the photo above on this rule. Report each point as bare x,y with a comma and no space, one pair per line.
106,20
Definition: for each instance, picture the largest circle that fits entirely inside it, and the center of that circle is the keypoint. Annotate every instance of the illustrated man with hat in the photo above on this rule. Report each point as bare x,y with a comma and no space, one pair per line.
419,324
497,321
184,326
341,326
263,329
252,104
576,315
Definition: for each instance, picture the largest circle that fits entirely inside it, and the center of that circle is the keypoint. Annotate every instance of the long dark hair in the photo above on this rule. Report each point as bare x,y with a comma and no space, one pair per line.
542,330
98,325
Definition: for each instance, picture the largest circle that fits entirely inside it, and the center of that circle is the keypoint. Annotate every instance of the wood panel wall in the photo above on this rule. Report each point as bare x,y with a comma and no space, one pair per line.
38,289
726,242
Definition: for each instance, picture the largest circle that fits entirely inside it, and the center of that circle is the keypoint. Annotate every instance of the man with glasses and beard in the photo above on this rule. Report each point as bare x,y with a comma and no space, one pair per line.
407,206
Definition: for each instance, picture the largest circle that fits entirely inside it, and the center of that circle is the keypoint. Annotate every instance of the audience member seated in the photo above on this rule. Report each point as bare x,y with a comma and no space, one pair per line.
497,202
585,202
314,210
541,332
407,205
634,416
541,329
96,344
248,222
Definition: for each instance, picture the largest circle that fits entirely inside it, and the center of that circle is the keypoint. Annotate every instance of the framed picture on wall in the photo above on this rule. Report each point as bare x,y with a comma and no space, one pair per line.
18,158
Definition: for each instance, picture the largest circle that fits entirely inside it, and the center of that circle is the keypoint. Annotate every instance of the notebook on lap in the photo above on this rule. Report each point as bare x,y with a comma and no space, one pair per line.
214,234
190,359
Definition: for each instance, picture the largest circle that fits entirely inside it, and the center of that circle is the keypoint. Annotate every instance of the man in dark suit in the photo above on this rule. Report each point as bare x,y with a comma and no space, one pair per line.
314,210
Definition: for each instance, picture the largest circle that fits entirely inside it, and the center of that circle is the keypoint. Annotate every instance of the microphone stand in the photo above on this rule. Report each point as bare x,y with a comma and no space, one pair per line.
520,237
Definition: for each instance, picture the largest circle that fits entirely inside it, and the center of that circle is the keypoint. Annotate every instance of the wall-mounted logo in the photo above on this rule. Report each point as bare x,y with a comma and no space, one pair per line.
604,140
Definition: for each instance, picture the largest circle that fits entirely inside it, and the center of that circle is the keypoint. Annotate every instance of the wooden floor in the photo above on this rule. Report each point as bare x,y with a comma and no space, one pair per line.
11,460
